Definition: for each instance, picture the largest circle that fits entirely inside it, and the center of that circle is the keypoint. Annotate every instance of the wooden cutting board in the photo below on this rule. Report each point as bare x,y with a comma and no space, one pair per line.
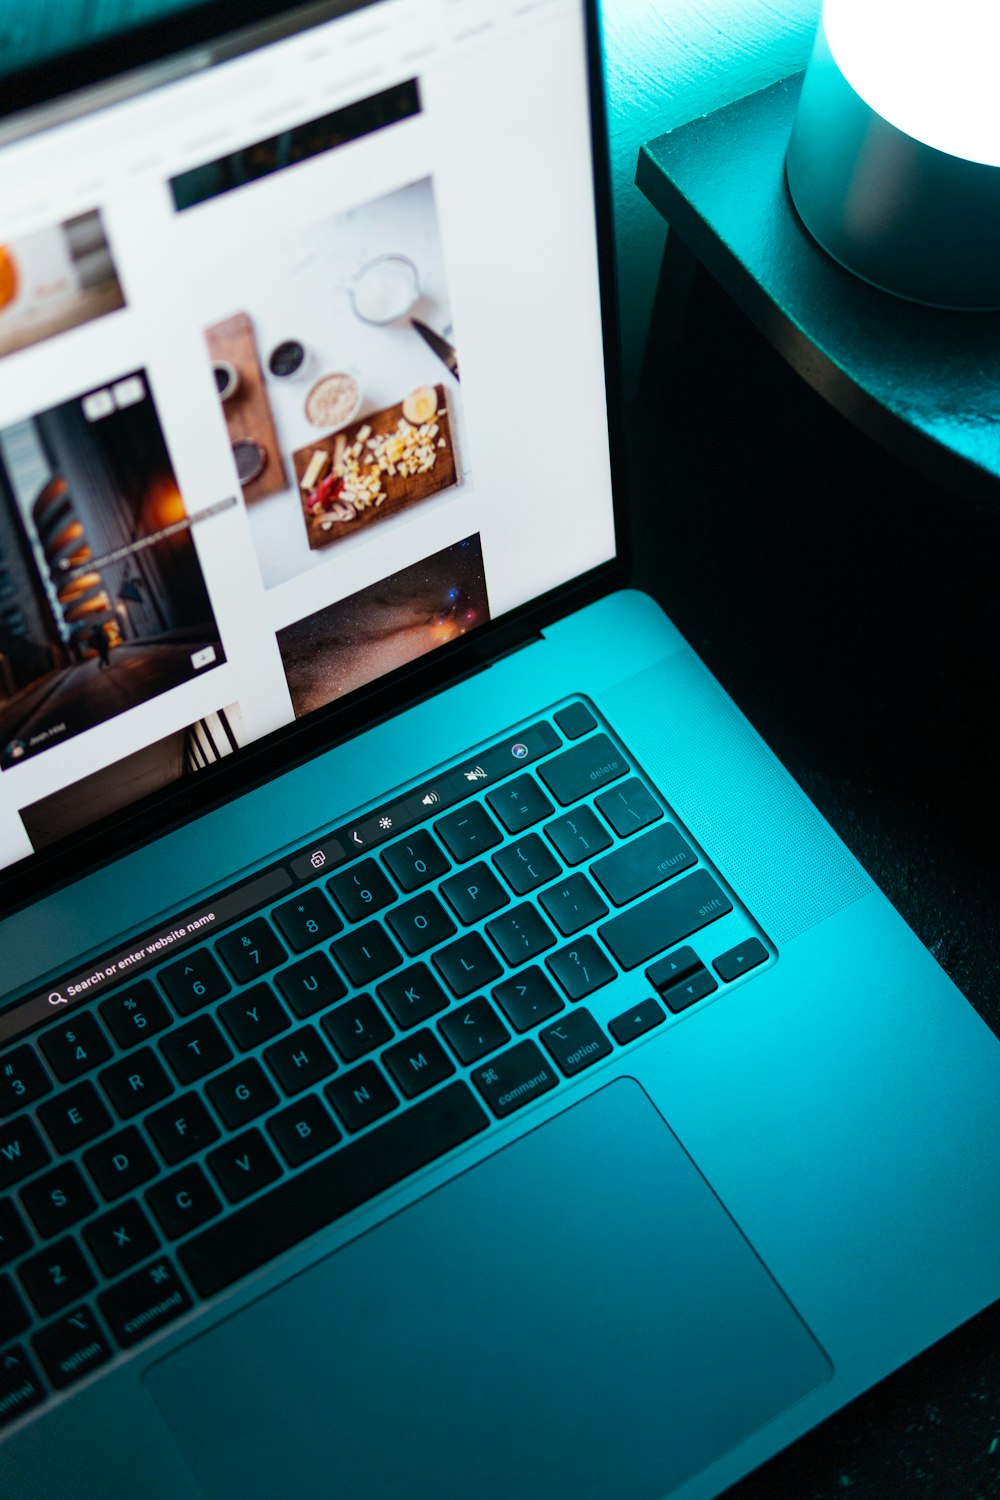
248,412
400,490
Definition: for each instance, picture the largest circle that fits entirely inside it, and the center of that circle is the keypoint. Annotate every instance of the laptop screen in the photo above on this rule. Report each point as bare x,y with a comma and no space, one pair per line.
301,377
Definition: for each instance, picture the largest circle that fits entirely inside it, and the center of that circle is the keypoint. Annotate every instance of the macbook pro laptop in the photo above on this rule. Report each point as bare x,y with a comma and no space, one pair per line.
442,1052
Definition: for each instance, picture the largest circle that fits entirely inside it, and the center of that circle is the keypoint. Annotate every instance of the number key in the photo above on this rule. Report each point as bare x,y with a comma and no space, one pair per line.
193,981
135,1014
361,890
307,920
415,861
74,1047
22,1079
250,950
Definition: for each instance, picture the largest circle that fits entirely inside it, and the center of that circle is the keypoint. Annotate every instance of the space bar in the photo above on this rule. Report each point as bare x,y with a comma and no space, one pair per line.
315,1197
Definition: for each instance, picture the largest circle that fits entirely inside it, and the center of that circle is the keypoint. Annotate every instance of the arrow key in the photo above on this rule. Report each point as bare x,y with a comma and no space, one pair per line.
740,960
637,1021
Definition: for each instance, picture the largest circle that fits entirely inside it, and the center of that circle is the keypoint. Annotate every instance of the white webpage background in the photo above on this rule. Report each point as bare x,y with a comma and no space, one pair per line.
504,135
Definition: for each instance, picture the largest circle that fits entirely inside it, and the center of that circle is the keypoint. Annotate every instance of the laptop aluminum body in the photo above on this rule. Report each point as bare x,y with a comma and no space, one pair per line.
674,1260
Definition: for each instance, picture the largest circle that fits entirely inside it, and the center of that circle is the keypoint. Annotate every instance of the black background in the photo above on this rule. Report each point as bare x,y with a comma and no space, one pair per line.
851,609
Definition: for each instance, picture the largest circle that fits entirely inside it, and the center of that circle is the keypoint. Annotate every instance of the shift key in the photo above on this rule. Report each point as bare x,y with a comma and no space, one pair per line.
664,919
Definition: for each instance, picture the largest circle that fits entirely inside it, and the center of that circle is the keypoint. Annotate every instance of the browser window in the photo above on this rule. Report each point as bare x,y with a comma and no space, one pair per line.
288,395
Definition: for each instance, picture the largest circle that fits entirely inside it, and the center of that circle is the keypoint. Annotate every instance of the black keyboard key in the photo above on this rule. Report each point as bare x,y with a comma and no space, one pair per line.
585,768
580,967
14,1316
356,1027
75,1047
361,891
14,1237
526,864
242,1093
71,1347
310,985
193,982
22,1079
74,1116
256,1015
136,1082
332,1187
664,919
22,1151
629,807
527,998
58,1199
467,965
740,960
366,953
474,894
519,804
642,864
303,1130
20,1386
575,1042
668,970
196,1048
692,987
514,1078
243,1165
575,720
573,904
144,1302
578,835
421,923
120,1163
134,1015
307,920
418,1063
301,1059
181,1128
473,1029
183,1201
637,1021
415,860
121,1239
251,950
361,1096
57,1276
467,832
412,996
520,933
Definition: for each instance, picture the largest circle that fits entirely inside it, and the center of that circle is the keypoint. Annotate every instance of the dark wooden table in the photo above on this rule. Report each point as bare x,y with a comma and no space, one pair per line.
817,505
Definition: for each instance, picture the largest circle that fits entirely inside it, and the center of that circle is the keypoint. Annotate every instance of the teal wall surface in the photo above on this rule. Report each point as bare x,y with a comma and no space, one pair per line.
33,30
670,61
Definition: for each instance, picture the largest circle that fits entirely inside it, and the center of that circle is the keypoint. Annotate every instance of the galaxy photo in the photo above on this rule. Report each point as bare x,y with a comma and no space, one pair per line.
384,626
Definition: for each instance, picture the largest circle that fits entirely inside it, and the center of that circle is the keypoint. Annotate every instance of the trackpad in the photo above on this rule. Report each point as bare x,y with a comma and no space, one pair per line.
576,1315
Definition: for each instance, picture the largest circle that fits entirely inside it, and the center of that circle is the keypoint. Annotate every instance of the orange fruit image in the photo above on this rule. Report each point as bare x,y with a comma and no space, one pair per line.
8,276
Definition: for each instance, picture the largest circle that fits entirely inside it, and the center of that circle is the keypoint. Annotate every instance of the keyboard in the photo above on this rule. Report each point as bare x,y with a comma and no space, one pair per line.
267,1064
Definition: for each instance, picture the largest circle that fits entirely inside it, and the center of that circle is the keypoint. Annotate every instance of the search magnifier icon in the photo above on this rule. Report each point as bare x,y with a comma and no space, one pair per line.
56,999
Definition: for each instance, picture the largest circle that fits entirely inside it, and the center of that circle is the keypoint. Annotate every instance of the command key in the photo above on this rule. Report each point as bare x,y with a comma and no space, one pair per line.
513,1078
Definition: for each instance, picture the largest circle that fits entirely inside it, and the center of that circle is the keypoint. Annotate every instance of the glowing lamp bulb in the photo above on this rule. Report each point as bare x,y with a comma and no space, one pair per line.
894,160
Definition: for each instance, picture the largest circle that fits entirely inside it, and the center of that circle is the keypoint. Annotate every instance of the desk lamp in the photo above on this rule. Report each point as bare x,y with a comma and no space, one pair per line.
894,158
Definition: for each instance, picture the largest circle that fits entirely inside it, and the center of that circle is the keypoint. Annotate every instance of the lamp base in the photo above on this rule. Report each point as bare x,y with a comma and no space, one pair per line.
904,216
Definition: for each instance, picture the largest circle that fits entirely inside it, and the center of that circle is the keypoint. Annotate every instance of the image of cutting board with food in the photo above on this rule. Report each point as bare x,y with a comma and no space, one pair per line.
376,466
